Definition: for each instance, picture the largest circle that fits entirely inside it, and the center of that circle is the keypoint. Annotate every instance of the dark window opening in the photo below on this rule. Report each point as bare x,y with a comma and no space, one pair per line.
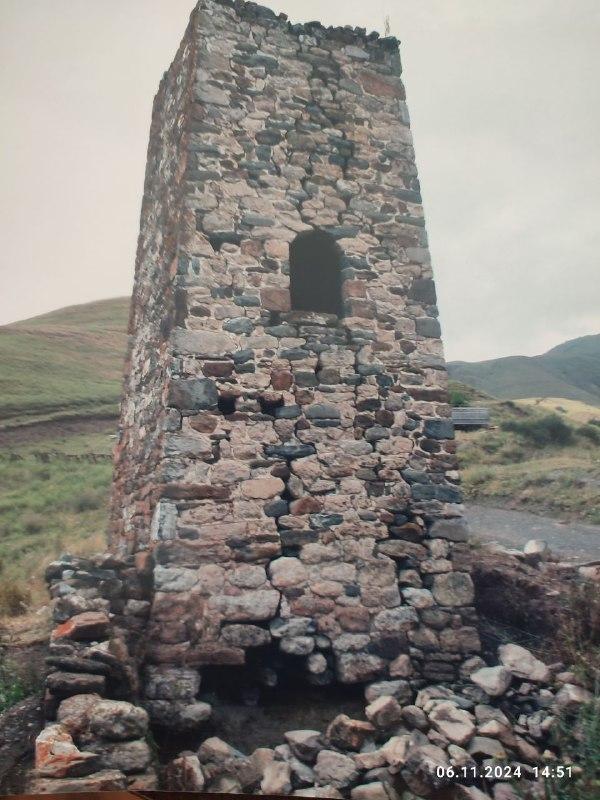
315,273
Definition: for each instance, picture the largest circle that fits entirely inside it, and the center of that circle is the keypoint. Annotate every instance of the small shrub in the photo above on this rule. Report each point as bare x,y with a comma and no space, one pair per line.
478,477
542,431
12,688
579,742
14,598
87,500
511,454
591,432
594,421
32,523
458,398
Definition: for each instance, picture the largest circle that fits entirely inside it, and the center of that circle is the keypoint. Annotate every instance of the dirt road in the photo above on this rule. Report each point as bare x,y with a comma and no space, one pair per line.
572,541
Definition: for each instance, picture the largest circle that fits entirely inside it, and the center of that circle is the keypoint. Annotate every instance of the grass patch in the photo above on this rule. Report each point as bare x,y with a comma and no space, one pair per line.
542,431
579,741
531,459
16,681
50,502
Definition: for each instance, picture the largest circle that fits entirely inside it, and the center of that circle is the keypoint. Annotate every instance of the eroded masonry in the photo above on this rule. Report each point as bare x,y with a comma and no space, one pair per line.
285,493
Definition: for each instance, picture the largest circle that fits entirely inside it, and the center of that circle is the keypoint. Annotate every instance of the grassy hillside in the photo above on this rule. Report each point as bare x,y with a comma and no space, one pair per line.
533,457
62,364
53,499
571,370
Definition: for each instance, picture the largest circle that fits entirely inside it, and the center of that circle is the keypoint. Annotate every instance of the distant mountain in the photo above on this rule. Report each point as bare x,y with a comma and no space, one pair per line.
63,364
570,370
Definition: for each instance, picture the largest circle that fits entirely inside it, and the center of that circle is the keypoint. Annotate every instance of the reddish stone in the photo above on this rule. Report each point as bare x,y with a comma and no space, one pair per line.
348,734
382,87
354,289
281,379
362,308
275,299
88,626
195,491
306,505
252,247
217,369
353,618
203,422
308,606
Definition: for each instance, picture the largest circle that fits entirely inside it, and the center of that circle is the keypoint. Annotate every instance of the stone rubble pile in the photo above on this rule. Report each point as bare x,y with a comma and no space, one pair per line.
96,736
436,741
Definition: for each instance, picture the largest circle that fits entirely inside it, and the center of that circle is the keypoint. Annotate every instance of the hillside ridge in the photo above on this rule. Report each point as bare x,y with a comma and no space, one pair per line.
570,370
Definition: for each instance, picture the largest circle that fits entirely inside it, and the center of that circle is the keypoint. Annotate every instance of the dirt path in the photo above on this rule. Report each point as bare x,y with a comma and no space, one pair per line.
40,431
570,540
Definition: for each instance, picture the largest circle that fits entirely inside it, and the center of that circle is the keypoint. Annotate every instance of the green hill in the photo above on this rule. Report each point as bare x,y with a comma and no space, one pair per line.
63,364
571,370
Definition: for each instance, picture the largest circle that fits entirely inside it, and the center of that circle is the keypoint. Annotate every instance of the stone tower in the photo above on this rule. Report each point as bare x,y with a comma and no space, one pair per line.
286,452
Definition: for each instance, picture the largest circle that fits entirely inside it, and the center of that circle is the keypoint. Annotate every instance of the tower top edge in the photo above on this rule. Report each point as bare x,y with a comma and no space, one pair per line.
253,12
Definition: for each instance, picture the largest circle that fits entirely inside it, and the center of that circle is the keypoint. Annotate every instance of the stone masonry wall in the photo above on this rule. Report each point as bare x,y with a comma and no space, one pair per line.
139,450
293,473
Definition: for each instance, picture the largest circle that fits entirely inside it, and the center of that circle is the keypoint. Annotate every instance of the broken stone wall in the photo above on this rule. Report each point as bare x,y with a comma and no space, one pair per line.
293,473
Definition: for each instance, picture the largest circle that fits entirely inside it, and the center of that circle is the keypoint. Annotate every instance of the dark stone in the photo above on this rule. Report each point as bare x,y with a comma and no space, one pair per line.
322,411
429,327
247,301
325,520
288,412
423,290
289,450
294,354
277,508
193,394
305,379
445,494
241,356
415,476
281,330
297,538
439,429
376,433
239,325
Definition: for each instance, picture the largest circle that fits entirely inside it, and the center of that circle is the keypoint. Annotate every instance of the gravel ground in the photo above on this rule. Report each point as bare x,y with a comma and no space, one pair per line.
572,541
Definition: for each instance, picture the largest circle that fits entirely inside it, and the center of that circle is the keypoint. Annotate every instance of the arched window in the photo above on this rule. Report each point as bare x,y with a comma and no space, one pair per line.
315,273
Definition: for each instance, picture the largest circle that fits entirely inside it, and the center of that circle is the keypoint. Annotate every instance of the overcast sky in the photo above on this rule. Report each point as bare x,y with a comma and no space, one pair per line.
505,104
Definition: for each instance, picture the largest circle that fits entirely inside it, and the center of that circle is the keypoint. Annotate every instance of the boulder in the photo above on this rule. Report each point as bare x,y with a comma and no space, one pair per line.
127,757
335,769
455,724
74,712
570,697
118,720
378,790
56,755
384,712
453,589
493,680
184,774
276,778
523,664
304,744
88,626
348,734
